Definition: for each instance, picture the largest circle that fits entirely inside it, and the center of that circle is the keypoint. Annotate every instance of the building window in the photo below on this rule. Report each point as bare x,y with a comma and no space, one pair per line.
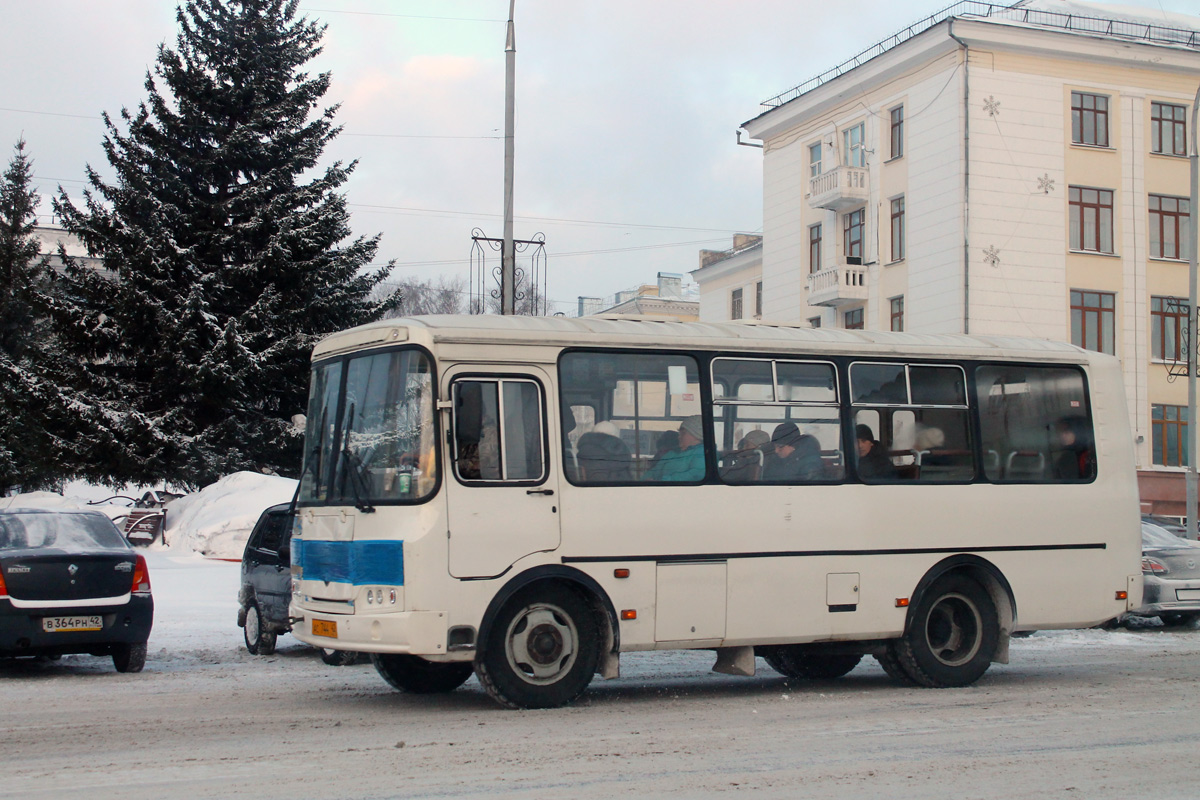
735,304
814,160
897,313
1093,321
854,319
1169,434
814,248
898,229
855,146
897,131
1168,129
1089,119
1169,228
1168,328
814,322
1091,219
758,300
852,239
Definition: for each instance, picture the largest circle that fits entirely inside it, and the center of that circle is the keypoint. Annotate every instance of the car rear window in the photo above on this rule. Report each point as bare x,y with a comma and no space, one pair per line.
61,531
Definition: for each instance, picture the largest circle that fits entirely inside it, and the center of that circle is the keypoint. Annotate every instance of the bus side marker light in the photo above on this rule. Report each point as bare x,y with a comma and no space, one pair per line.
620,573
629,613
1122,595
901,602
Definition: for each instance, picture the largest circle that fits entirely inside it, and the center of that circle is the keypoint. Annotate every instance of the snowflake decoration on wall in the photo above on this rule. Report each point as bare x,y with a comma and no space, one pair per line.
991,255
991,105
1046,184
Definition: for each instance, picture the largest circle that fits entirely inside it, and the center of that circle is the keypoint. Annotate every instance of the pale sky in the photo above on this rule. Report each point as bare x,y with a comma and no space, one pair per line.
625,129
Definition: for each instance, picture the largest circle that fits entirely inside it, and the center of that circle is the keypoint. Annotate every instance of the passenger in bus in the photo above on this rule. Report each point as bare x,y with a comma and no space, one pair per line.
603,458
668,442
1077,461
686,463
873,463
745,465
796,456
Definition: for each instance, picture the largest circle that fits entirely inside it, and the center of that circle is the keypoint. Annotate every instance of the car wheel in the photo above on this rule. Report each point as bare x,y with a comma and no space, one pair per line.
415,675
259,642
798,661
339,658
542,649
129,657
1185,618
952,635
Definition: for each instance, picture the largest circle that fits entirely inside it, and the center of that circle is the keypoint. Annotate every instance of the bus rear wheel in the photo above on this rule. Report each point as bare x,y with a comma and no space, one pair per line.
952,635
415,675
799,661
542,651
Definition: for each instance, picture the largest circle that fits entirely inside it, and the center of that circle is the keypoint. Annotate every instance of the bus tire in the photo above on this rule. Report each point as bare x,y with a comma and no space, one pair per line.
798,661
415,675
542,649
891,665
952,635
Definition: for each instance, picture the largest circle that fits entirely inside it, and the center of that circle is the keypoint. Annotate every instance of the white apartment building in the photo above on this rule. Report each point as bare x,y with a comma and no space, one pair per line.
730,281
1008,170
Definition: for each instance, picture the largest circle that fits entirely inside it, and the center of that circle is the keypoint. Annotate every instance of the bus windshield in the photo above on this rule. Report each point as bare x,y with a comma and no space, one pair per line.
370,435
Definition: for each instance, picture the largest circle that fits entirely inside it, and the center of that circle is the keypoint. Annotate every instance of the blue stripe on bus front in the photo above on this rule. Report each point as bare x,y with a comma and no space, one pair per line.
359,563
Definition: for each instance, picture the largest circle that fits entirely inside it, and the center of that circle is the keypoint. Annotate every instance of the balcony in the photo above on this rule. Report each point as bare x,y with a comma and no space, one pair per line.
844,284
841,188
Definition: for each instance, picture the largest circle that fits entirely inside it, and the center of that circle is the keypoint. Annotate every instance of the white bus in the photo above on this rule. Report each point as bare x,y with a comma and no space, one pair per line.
529,498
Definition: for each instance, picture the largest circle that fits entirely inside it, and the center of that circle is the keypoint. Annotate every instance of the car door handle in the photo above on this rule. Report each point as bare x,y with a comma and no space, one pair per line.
546,492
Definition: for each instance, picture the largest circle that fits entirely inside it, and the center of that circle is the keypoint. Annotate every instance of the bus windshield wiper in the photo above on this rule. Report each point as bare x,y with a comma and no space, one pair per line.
358,480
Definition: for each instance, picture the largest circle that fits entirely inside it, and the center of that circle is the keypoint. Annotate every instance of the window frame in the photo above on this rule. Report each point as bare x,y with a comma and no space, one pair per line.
735,303
758,299
851,243
1177,123
499,378
896,316
1181,221
815,165
814,248
1077,220
854,153
1158,434
860,322
897,228
1080,114
1168,320
897,131
1100,312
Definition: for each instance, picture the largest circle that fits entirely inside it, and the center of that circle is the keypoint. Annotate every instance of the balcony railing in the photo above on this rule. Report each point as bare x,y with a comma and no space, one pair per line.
839,188
845,283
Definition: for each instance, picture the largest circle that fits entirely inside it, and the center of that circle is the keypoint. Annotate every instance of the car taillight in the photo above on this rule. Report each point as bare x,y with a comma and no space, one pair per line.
1152,566
3,588
141,577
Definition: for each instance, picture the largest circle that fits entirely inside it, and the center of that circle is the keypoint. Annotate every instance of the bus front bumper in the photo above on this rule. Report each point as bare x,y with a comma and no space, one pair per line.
420,633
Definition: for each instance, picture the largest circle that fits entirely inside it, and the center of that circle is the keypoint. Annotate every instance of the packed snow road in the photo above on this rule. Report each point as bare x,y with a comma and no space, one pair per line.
1087,714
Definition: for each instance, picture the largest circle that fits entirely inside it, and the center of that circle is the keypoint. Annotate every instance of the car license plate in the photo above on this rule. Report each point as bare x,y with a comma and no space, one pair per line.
324,628
1187,594
68,624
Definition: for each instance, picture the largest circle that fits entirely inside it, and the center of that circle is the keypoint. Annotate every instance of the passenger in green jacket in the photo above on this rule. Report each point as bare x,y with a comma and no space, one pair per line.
686,463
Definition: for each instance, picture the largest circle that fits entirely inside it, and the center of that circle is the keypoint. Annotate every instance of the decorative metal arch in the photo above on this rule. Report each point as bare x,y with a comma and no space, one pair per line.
530,294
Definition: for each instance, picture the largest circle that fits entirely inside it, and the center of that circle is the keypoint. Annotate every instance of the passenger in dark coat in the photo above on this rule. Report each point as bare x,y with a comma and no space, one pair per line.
1077,461
797,456
873,463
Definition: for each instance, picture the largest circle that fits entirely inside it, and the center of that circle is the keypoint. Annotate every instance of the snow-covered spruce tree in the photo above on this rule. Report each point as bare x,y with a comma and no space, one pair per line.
226,249
26,457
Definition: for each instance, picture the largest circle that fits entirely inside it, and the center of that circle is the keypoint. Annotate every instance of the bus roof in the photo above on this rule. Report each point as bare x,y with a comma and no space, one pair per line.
666,334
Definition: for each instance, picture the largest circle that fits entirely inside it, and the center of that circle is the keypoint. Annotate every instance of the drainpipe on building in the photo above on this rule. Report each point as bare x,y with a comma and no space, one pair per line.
1192,320
966,177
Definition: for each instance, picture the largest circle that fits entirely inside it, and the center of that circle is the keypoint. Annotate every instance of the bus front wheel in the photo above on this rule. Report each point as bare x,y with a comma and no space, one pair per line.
541,651
952,635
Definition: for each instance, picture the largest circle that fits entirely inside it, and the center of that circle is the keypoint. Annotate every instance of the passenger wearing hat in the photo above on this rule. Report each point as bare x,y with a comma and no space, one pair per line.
873,463
686,463
797,456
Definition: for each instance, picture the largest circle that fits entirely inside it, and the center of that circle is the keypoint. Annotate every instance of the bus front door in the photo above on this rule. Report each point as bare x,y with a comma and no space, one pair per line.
502,493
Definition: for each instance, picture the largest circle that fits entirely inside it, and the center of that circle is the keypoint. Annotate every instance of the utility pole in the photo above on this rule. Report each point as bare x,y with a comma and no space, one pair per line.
508,255
1191,340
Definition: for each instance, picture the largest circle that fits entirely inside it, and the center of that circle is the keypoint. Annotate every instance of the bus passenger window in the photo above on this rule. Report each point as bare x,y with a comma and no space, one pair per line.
641,401
1035,425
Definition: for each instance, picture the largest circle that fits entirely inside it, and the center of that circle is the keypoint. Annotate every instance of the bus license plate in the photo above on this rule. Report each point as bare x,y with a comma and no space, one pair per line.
323,628
66,624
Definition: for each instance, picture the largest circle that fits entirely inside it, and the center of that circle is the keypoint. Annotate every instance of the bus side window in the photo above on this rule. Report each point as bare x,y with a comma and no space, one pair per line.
498,430
1035,424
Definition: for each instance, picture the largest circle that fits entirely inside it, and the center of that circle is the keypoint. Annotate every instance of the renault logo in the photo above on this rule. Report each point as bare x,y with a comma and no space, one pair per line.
72,569
1191,564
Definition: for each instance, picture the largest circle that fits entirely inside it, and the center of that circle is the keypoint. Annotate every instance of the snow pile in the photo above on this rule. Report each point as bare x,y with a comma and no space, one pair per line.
216,521
39,500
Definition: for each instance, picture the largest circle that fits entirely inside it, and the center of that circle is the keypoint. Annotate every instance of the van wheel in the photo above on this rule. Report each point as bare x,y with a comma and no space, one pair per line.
339,658
259,642
952,635
415,675
541,651
798,661
891,665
